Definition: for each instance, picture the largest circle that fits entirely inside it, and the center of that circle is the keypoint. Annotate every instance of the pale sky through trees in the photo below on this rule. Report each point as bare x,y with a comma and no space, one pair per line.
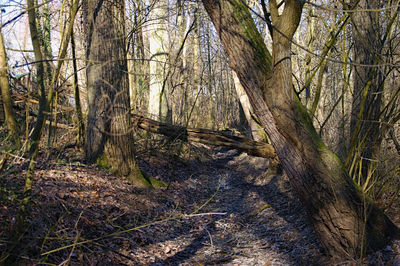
15,35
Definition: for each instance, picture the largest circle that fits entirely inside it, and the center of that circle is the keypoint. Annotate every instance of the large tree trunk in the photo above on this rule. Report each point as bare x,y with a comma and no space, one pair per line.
347,223
109,131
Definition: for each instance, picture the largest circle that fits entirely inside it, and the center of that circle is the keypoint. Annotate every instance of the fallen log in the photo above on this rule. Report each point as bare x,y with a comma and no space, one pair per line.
206,136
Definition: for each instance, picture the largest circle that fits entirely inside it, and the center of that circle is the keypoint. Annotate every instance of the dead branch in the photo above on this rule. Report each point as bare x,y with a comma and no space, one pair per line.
206,136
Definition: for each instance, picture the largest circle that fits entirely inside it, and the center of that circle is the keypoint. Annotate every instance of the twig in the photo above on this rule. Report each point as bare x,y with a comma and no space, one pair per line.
15,156
211,241
204,214
213,195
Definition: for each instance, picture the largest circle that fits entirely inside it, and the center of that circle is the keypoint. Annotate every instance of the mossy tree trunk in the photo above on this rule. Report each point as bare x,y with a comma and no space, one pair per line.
41,117
6,95
109,130
368,87
347,223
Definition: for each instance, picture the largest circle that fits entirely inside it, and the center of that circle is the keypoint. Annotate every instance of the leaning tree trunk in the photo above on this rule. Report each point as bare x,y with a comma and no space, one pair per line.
347,223
109,130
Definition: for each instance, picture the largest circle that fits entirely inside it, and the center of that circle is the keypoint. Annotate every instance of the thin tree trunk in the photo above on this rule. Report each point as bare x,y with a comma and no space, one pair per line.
78,108
6,96
257,132
61,57
2,114
347,223
37,131
158,39
368,87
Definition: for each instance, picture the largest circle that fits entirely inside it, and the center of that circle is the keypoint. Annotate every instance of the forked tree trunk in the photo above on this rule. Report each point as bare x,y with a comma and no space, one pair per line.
109,130
347,223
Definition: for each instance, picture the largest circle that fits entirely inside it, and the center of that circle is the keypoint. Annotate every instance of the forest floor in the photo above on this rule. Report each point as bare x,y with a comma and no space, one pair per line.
221,207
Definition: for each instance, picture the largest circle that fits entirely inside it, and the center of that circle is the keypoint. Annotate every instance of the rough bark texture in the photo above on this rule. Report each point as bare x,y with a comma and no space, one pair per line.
205,136
2,115
109,131
334,205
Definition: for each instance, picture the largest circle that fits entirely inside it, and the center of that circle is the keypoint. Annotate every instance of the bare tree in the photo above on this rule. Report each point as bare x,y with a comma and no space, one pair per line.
368,84
347,223
109,129
158,41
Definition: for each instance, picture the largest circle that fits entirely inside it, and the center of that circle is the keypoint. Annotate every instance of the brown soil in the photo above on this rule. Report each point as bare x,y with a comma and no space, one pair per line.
221,207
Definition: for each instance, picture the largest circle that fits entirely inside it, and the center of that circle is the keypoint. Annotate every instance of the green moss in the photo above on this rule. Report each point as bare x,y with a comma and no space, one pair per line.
306,121
139,178
262,55
158,183
103,162
329,157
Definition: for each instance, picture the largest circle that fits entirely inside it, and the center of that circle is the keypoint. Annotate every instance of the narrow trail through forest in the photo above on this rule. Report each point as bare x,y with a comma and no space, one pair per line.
222,207
263,223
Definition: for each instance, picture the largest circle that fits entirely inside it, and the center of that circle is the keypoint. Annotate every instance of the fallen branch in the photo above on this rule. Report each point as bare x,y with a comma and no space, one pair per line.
23,98
206,136
66,108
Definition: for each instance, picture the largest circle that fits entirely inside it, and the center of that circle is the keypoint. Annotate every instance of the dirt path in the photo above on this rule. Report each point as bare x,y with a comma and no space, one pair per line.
221,210
263,224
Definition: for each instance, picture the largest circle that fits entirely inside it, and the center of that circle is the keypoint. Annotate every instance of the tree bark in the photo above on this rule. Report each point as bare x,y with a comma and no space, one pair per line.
6,95
347,223
109,130
81,123
368,85
257,132
158,40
